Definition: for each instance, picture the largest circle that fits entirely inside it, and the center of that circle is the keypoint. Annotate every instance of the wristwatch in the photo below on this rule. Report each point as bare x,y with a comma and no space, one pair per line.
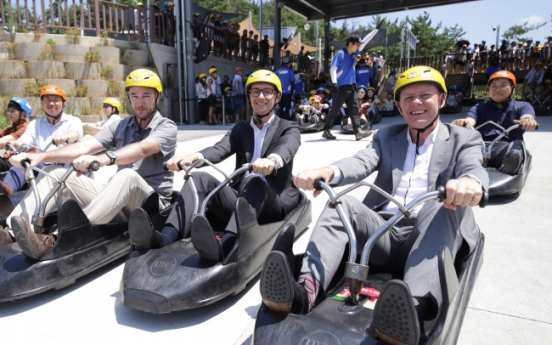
275,161
111,156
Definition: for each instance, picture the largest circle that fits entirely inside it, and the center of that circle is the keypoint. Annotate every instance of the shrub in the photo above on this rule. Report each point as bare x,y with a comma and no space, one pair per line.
72,36
92,56
4,121
107,73
81,91
104,39
37,35
32,89
115,89
135,41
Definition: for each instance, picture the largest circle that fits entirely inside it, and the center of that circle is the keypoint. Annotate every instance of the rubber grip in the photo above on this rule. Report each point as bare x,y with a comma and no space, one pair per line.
317,182
94,166
482,203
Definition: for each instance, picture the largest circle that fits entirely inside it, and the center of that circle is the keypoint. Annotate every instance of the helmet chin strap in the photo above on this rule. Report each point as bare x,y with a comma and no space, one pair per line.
422,130
55,117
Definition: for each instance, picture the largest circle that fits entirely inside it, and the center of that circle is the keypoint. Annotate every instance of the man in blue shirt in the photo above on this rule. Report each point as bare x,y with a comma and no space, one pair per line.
344,81
287,78
301,84
507,154
363,73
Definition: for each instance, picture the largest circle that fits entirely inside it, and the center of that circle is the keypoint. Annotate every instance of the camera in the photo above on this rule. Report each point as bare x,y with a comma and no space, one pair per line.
494,28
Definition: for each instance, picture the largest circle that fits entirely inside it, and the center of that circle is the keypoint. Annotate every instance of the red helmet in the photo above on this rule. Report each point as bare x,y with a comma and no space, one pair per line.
503,74
219,16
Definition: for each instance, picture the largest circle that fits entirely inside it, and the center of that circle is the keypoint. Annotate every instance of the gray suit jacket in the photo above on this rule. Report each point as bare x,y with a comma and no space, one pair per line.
457,152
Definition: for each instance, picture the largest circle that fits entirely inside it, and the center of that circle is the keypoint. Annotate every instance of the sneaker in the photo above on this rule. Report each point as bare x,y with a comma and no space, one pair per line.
511,162
328,135
33,245
360,134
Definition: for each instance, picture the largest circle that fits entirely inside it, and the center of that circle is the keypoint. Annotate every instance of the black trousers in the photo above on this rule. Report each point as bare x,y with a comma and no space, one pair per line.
499,150
347,94
220,208
284,111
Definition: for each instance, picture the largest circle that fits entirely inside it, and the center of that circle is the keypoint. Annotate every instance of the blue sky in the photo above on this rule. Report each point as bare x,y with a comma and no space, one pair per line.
477,18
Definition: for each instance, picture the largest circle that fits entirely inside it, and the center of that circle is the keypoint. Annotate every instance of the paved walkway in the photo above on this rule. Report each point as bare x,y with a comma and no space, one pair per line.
511,302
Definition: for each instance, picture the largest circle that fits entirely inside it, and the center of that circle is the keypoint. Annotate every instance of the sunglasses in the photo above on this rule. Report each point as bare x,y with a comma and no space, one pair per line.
106,106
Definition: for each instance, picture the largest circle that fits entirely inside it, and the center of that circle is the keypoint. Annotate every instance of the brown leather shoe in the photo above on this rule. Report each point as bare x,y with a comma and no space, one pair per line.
5,237
33,245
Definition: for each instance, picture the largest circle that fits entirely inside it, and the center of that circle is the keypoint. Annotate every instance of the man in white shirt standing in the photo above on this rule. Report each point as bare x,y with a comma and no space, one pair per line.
411,160
213,85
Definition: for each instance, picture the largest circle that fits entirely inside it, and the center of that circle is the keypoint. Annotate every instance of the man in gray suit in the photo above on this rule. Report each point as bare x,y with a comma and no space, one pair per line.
411,160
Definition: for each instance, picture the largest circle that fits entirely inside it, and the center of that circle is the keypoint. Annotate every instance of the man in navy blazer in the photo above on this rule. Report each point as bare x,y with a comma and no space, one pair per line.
267,143
411,160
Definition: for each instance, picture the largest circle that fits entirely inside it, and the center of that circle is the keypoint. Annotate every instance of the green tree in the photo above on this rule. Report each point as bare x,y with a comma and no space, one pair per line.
516,32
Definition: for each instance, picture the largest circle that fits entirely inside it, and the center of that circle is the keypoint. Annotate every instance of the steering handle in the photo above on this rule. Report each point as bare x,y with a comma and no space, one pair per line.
318,183
94,166
482,203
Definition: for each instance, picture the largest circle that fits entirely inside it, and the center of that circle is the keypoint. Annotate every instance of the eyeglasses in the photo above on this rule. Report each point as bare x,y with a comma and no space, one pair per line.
266,92
499,87
11,111
106,106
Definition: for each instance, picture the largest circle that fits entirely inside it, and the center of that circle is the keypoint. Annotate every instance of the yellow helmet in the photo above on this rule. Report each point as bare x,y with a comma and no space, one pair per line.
419,74
228,88
145,78
212,70
263,76
114,102
314,98
202,75
170,4
313,92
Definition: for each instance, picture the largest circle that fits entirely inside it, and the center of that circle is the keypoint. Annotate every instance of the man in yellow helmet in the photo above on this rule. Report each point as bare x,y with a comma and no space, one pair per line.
111,108
138,145
266,142
411,159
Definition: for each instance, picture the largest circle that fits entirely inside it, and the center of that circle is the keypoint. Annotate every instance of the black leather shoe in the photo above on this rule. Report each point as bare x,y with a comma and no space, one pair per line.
360,134
205,241
511,162
395,317
328,135
280,292
141,231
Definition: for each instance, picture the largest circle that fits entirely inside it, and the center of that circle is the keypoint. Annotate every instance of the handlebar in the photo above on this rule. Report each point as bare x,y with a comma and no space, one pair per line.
358,272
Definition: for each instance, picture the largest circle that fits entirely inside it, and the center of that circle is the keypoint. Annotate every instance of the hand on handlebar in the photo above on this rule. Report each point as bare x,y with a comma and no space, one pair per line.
463,191
178,161
463,122
16,160
305,179
83,163
262,166
527,122
62,139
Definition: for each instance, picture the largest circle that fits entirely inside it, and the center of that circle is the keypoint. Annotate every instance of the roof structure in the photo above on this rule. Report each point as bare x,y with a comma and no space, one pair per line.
342,9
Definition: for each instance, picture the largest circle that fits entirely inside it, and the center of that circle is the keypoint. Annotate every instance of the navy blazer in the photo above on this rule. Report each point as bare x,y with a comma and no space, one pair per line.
282,138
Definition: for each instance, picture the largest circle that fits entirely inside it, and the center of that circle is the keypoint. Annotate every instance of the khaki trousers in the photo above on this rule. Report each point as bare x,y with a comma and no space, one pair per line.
124,192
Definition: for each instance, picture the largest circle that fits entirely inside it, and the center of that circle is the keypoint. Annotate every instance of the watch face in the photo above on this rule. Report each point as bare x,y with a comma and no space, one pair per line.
111,154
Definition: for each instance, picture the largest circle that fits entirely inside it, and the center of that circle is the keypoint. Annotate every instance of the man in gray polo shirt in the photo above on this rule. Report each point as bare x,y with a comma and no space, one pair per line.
142,143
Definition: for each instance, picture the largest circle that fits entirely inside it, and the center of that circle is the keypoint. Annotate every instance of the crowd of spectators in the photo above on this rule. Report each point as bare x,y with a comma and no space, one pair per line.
512,56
